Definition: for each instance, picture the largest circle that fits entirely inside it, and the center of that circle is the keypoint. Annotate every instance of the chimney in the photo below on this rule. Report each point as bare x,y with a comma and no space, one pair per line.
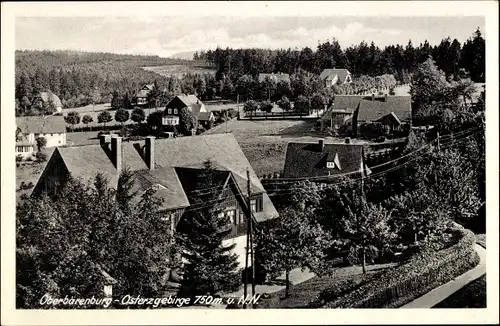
385,97
116,152
373,96
321,144
150,152
105,139
348,140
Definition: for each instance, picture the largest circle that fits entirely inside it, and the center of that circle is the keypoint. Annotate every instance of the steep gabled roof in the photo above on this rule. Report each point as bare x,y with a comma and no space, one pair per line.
189,100
373,110
329,74
308,160
222,149
205,116
190,178
143,93
86,161
166,183
41,124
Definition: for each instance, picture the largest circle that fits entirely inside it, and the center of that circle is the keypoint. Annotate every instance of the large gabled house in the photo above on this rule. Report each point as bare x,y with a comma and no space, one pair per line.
320,161
334,76
169,166
52,128
190,102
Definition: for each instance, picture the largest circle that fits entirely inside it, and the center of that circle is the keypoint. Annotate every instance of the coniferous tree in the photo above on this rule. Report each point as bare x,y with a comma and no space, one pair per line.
211,266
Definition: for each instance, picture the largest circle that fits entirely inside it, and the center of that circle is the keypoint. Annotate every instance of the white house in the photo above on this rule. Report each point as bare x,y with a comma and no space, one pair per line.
333,76
52,128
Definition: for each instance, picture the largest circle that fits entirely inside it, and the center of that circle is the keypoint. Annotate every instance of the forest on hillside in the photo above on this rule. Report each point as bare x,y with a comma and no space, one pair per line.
364,59
81,78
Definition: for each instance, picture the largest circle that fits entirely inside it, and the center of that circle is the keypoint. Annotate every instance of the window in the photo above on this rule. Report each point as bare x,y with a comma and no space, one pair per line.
253,205
231,215
169,111
170,121
330,165
176,111
220,215
242,218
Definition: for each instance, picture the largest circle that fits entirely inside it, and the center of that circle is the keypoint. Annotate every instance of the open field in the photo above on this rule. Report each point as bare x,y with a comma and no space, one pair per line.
179,70
264,142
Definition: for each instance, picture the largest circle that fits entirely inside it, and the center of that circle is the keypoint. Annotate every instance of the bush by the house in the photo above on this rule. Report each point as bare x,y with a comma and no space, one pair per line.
373,130
41,156
423,272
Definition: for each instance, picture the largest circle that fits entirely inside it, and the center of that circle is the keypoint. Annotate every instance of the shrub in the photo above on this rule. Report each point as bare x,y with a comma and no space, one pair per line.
41,156
19,158
423,272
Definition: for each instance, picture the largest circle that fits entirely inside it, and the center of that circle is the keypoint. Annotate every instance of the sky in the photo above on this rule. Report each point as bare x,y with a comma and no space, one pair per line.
168,35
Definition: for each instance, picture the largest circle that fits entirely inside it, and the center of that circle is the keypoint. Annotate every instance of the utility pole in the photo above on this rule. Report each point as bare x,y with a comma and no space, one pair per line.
249,248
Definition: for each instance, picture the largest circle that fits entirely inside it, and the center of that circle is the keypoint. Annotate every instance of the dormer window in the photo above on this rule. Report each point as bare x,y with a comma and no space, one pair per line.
335,163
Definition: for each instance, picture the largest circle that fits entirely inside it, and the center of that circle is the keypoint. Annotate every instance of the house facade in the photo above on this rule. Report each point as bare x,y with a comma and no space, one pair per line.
323,160
170,166
334,76
190,102
141,98
52,128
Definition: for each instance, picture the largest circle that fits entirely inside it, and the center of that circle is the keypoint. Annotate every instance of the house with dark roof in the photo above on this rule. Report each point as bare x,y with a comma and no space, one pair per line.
318,160
52,128
48,97
190,102
353,111
393,112
275,77
334,76
170,166
141,98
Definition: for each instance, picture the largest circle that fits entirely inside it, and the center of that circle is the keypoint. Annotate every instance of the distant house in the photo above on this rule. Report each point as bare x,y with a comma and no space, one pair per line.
48,97
333,76
141,97
190,102
340,112
391,111
305,160
352,111
275,77
52,128
169,166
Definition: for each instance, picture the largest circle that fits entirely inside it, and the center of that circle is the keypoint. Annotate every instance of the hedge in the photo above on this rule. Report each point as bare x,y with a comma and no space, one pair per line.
422,273
94,128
